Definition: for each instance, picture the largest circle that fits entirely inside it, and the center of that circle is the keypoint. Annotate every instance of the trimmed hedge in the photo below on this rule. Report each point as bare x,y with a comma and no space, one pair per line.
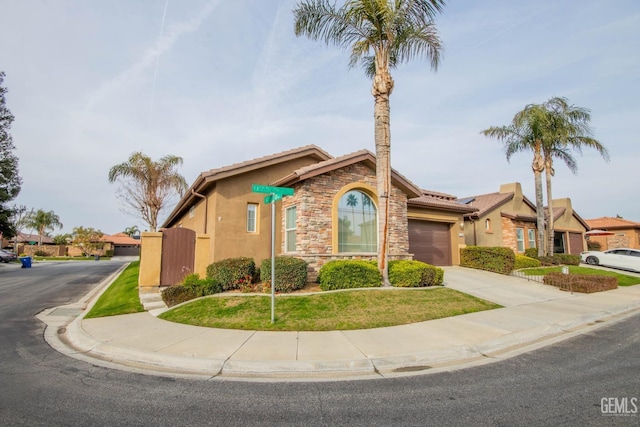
232,273
526,262
414,274
581,282
492,258
560,259
192,287
291,273
349,274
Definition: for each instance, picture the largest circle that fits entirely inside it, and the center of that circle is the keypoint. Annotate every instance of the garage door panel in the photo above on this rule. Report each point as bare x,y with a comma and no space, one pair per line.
430,242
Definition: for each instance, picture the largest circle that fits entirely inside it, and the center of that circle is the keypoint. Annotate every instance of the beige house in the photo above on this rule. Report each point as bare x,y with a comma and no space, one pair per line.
623,233
569,228
506,218
331,215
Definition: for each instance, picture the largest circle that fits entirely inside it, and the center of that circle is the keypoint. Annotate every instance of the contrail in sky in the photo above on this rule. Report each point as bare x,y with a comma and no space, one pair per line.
155,73
164,43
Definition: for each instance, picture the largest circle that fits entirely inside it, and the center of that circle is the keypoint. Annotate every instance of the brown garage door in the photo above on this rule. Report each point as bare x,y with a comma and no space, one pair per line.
575,243
430,242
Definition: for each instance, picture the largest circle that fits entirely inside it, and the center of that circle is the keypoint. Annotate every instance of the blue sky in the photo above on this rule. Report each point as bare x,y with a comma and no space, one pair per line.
219,82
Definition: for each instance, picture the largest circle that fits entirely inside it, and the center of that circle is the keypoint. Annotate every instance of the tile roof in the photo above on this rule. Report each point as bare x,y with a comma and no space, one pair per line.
442,201
120,239
364,156
212,175
487,202
606,222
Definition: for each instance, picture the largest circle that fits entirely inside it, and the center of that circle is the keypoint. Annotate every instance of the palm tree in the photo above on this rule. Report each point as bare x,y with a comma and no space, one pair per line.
131,231
44,221
526,133
380,34
148,185
566,127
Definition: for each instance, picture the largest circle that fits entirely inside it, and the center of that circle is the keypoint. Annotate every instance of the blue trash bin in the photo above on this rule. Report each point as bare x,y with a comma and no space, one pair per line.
26,261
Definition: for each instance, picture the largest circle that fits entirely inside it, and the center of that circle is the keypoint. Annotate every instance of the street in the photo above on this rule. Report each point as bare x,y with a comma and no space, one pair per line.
563,384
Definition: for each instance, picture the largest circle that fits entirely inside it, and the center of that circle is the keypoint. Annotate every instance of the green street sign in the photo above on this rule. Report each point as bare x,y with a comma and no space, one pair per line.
272,198
268,189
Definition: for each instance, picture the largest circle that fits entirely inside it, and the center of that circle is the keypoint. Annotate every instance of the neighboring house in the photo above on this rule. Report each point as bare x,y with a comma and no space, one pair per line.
121,244
569,228
624,233
506,218
332,214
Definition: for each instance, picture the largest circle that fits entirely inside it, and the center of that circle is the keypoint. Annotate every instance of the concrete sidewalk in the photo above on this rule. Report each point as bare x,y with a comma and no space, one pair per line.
533,315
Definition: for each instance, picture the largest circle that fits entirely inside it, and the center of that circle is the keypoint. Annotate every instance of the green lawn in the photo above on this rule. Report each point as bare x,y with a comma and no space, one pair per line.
623,279
347,310
121,297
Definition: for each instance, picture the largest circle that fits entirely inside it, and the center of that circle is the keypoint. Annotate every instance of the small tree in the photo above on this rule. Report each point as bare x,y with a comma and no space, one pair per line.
62,239
88,240
131,231
147,186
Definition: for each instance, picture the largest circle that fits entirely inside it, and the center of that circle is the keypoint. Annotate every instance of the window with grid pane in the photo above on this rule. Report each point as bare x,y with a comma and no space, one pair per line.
290,229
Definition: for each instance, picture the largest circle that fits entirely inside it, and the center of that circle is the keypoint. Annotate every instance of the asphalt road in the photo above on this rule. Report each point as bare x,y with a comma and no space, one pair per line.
563,384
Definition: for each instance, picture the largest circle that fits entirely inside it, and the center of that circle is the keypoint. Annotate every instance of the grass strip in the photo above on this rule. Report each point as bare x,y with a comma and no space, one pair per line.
121,297
346,310
623,279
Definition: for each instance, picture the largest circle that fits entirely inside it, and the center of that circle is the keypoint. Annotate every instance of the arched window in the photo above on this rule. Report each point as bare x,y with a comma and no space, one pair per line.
357,223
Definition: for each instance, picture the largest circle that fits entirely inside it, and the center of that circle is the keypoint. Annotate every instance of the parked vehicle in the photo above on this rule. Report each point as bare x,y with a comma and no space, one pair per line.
624,258
6,256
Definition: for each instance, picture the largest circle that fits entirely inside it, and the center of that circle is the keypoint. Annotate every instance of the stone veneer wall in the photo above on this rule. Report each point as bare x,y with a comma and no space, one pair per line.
509,238
314,199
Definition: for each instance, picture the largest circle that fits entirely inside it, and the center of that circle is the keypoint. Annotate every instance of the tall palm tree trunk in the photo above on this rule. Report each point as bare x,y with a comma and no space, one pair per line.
382,87
550,225
538,167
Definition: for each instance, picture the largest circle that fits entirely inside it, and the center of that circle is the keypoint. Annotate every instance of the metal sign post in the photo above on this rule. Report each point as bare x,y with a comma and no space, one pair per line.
274,194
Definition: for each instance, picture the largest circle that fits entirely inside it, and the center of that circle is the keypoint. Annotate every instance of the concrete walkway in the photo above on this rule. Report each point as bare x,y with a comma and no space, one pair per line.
533,315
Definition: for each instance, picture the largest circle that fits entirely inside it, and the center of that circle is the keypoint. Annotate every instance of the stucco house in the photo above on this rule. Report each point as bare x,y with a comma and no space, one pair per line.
624,233
504,218
331,215
569,228
508,218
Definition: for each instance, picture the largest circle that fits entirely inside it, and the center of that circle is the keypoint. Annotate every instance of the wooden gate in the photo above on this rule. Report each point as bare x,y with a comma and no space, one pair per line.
178,255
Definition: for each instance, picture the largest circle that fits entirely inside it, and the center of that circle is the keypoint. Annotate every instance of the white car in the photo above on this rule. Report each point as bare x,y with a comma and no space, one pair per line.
625,258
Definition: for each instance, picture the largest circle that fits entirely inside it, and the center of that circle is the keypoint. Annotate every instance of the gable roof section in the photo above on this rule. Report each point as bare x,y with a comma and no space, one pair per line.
559,211
205,179
25,238
487,202
609,223
440,201
362,156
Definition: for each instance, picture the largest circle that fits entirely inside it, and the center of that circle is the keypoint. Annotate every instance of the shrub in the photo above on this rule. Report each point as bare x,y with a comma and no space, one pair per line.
593,245
526,262
192,287
414,274
349,274
291,273
231,273
497,259
583,283
531,252
174,295
560,259
40,252
108,253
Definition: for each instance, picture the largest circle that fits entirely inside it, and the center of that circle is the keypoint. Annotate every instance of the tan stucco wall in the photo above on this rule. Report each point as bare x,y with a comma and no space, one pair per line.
456,228
150,260
226,220
568,223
